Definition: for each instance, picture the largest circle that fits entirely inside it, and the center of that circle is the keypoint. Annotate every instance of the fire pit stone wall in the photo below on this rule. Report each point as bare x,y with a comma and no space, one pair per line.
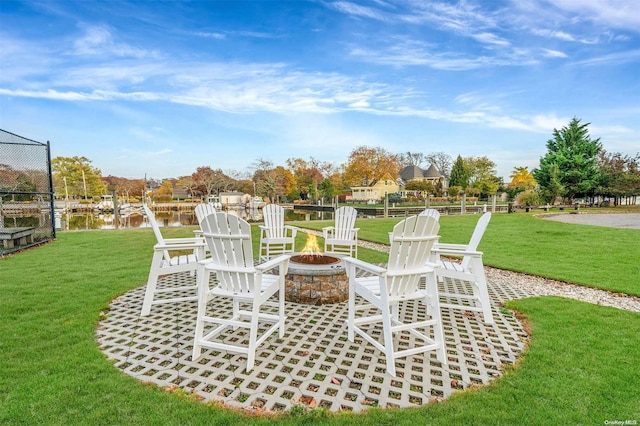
316,284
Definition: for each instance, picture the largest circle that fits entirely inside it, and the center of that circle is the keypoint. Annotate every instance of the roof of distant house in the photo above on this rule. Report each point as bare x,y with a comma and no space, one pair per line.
415,172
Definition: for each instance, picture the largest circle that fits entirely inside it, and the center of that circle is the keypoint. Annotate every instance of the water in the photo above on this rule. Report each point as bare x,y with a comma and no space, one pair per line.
135,219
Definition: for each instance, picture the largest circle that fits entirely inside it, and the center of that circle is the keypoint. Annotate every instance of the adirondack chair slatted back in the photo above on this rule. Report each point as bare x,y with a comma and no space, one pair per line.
431,212
203,210
228,238
345,222
476,237
411,245
435,214
156,229
274,221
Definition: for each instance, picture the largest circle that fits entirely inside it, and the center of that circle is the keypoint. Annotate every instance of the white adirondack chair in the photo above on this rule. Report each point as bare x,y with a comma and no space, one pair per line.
470,269
229,240
170,256
343,237
276,238
204,209
389,289
426,212
201,211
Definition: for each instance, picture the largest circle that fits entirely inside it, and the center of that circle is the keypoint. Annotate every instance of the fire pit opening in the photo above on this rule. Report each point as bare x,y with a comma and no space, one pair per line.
314,259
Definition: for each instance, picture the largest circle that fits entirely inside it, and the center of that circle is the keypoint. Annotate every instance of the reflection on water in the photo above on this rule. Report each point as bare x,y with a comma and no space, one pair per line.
135,219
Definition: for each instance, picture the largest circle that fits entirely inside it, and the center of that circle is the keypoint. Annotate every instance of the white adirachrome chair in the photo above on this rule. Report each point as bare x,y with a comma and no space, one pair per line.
276,238
170,256
469,270
391,295
342,238
228,238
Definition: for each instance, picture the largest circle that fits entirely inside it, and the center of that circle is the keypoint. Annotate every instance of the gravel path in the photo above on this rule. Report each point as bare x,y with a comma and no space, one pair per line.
539,286
612,220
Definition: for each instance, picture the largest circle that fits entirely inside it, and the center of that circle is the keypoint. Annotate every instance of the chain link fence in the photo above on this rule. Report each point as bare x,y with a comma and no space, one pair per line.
26,193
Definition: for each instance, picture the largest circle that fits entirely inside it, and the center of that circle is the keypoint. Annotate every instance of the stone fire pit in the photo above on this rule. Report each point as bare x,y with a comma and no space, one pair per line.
316,279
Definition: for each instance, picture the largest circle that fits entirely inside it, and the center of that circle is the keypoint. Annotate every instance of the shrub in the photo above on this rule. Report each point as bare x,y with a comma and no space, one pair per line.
529,198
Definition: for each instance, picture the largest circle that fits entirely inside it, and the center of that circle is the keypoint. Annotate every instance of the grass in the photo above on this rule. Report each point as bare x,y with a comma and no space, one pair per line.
581,367
593,256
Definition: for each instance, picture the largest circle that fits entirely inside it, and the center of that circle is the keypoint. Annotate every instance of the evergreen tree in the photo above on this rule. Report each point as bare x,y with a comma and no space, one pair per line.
459,174
570,167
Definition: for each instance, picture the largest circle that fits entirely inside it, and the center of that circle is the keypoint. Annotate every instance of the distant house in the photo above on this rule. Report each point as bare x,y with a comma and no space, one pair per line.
181,194
432,175
375,192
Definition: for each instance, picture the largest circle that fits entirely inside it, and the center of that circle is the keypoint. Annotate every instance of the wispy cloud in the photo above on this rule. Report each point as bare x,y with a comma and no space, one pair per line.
98,40
612,58
357,10
223,35
489,38
550,53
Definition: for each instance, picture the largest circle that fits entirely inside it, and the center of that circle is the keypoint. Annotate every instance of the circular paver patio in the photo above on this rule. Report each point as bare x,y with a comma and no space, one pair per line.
314,364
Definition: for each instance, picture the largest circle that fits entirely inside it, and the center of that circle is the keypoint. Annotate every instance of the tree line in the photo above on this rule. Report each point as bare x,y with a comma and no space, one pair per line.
575,166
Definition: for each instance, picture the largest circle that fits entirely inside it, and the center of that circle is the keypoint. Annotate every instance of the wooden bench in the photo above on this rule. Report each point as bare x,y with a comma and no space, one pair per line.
12,237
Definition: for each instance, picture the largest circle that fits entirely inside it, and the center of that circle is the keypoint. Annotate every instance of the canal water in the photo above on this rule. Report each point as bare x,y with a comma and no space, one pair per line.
135,219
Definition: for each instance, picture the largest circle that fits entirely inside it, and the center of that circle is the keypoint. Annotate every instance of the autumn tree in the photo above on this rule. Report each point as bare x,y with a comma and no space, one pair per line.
367,165
165,192
522,178
571,162
307,175
124,187
274,183
82,180
210,181
619,176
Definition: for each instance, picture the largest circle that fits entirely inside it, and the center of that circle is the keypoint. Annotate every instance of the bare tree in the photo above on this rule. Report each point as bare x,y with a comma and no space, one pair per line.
411,159
442,161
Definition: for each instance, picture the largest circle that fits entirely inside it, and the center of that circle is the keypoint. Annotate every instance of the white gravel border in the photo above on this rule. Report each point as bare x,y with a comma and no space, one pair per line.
540,286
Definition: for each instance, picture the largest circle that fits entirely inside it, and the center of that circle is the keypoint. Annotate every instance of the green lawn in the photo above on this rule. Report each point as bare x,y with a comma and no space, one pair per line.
593,256
581,367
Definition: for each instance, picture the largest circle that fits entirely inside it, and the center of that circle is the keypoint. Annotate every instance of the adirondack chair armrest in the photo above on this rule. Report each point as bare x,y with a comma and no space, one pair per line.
374,269
273,263
224,268
194,240
183,246
292,229
426,268
328,230
457,252
449,246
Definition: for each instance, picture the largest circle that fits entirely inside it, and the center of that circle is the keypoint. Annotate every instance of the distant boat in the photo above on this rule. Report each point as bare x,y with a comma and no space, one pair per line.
256,203
106,204
215,200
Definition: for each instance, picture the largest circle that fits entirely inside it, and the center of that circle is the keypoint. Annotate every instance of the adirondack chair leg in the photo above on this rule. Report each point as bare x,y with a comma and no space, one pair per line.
388,340
203,280
481,292
433,304
351,316
152,283
253,336
281,306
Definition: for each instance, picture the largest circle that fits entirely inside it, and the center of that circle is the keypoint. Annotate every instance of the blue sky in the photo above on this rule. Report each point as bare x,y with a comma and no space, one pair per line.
161,88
